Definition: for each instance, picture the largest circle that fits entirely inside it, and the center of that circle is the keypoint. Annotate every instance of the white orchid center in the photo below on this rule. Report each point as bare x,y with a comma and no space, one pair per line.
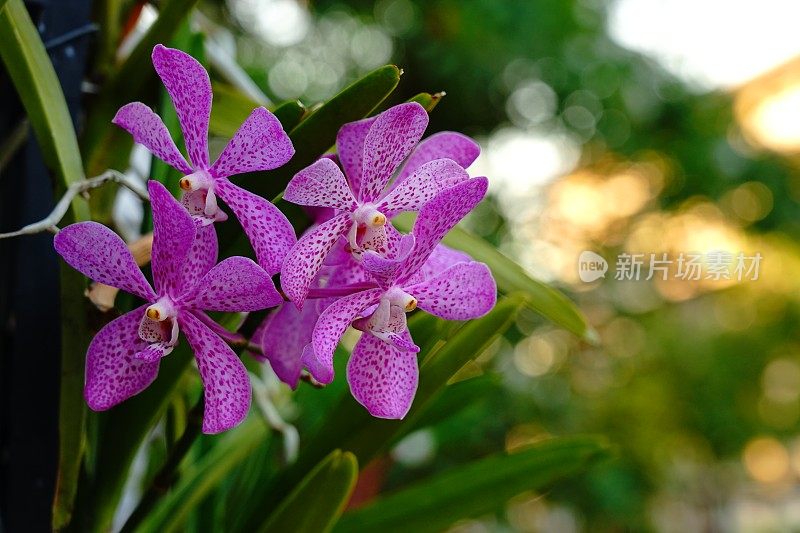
163,309
401,299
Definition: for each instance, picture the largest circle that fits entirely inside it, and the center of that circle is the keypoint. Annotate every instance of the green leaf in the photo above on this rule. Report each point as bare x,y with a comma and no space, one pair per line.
290,114
428,100
511,277
475,489
232,107
39,89
350,427
200,478
317,502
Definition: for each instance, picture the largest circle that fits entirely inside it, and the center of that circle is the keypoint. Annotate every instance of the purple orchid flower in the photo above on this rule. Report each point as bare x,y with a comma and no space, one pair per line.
123,358
370,151
382,370
285,335
259,144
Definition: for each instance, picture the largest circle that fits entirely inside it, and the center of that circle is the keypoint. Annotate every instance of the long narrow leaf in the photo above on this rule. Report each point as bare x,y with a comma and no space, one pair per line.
475,489
38,87
317,502
201,478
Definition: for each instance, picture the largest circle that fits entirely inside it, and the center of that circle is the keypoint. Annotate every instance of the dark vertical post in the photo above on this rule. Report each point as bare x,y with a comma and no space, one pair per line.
29,302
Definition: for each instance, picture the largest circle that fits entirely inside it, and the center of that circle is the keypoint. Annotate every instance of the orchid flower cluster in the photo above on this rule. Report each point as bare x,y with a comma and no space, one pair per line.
351,268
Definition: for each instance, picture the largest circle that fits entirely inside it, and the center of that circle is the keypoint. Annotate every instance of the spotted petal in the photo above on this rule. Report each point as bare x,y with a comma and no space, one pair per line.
382,377
331,326
321,184
236,284
462,292
350,147
225,381
391,138
190,90
149,130
304,260
384,269
100,254
445,144
259,144
173,236
201,258
283,336
429,180
438,217
440,260
113,373
270,232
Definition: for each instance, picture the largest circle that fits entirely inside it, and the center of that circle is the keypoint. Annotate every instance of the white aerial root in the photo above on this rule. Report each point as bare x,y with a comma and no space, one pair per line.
76,188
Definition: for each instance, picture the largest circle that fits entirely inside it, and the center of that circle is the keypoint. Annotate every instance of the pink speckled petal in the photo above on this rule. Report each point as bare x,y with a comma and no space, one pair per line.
391,138
383,378
384,269
462,292
320,184
429,180
270,232
225,381
100,254
259,144
148,129
438,216
445,144
201,258
319,214
350,147
348,273
173,236
340,253
440,260
305,259
237,285
331,326
283,337
190,90
113,374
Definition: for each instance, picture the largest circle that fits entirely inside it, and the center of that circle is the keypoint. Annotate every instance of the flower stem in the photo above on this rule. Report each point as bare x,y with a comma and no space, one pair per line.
167,474
328,292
